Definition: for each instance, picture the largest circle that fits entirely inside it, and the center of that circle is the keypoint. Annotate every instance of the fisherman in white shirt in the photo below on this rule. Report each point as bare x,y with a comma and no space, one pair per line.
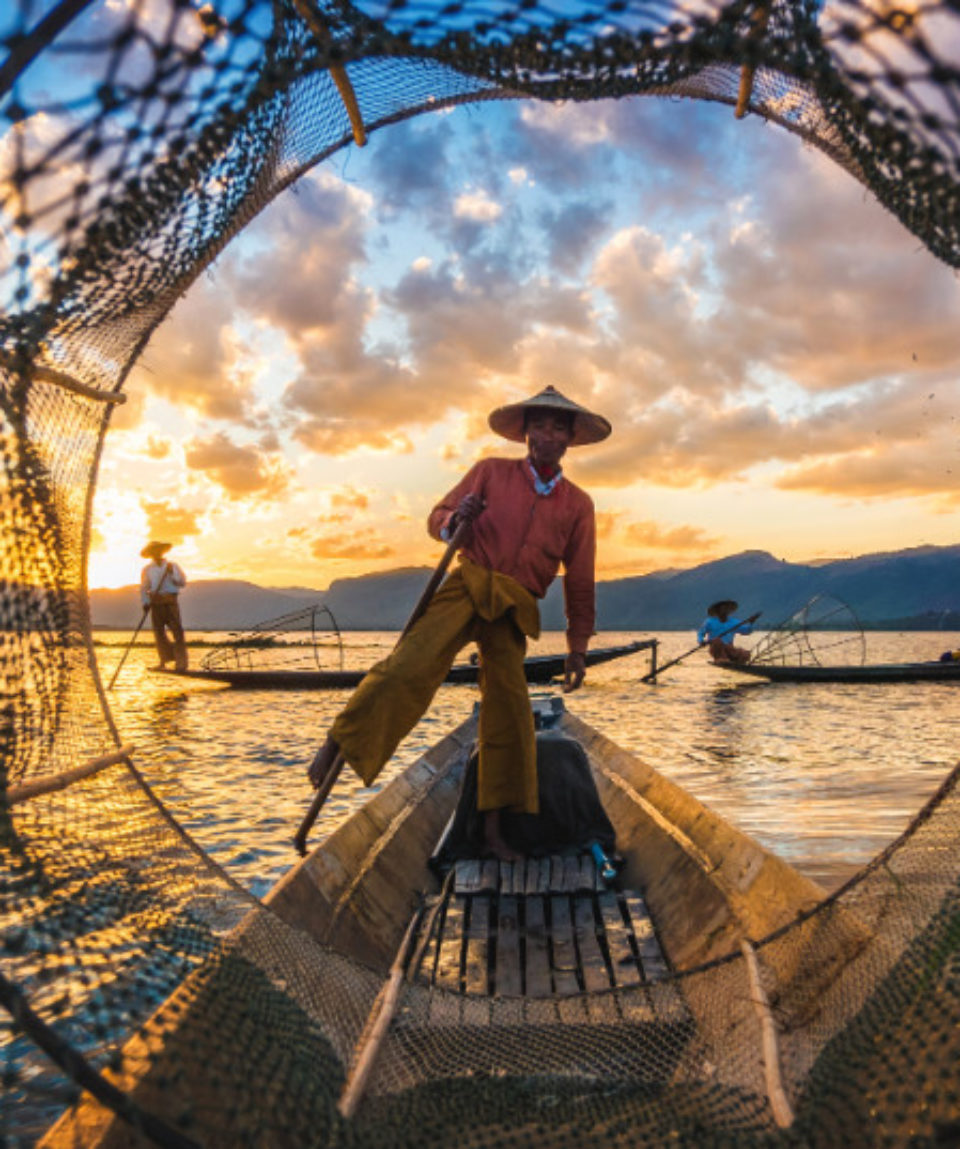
160,586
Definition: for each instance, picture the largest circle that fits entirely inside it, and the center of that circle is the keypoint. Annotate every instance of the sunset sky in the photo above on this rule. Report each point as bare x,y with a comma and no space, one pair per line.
778,356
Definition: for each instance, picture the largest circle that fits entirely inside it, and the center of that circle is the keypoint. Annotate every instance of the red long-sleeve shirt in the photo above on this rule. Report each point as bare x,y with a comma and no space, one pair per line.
527,536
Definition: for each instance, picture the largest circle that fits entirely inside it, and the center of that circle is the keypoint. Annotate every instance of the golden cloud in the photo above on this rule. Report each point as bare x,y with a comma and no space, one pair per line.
652,536
157,448
350,497
169,522
242,471
334,547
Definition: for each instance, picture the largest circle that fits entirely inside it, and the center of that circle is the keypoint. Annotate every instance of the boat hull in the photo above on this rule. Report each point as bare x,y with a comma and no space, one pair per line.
709,889
540,670
877,672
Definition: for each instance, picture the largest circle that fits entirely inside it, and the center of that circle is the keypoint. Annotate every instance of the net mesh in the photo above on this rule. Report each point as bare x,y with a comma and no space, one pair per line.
824,632
168,129
307,639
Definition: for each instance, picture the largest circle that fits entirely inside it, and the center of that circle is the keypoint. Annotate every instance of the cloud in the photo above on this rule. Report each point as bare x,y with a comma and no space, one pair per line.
335,547
169,522
196,360
899,473
157,447
572,230
350,498
242,471
477,206
556,142
690,442
344,399
651,535
410,167
297,274
833,289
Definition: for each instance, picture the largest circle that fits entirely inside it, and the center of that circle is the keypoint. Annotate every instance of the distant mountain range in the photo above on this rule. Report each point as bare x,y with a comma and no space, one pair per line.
916,589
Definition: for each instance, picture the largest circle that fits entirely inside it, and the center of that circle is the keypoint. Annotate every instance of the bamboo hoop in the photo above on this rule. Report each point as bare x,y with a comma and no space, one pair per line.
49,783
779,1103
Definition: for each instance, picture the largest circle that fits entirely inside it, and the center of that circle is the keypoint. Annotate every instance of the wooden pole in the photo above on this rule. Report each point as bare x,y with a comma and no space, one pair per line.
377,1025
326,785
759,20
143,619
779,1102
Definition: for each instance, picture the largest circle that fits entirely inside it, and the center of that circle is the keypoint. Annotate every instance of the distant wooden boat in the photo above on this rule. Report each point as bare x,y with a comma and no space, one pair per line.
875,672
542,957
539,670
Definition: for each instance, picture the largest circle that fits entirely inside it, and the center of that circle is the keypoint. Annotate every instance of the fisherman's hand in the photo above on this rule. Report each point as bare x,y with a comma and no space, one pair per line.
574,669
468,509
470,506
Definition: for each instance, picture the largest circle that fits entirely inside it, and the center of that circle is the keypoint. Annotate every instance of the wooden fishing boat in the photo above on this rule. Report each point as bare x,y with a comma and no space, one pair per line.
543,959
868,673
539,670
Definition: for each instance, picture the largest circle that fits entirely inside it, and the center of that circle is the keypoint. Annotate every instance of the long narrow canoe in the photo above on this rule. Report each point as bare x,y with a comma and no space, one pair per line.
539,670
536,958
876,672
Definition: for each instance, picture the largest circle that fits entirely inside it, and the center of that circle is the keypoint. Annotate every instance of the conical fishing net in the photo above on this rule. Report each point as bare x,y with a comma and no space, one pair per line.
824,632
301,640
139,138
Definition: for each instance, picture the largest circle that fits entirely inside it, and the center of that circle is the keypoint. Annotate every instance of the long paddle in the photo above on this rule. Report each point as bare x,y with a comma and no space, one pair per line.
143,619
333,773
651,677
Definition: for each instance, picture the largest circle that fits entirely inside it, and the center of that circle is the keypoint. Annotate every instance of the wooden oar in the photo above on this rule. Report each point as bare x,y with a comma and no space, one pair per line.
143,619
652,676
333,773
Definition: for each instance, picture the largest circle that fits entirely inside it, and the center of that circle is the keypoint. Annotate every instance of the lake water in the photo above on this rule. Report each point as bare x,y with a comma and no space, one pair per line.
824,775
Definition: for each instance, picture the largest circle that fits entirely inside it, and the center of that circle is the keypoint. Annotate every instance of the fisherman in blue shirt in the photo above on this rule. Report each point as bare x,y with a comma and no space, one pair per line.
718,630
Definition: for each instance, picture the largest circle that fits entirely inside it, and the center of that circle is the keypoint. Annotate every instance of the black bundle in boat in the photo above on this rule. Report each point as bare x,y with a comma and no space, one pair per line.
571,815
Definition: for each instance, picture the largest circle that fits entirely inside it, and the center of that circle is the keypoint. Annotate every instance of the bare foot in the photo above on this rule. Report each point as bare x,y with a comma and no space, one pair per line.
320,766
493,840
500,850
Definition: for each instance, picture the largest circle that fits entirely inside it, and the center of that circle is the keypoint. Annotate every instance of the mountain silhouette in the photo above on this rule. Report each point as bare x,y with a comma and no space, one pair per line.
917,588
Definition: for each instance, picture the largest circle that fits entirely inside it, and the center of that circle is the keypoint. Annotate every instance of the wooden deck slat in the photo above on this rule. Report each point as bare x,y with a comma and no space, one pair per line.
449,959
477,945
595,972
564,965
489,877
652,960
571,874
508,976
542,942
590,874
537,980
445,1008
625,961
467,878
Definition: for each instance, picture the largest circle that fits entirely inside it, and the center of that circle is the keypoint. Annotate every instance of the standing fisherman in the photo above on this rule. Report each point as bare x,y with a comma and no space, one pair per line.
160,585
523,519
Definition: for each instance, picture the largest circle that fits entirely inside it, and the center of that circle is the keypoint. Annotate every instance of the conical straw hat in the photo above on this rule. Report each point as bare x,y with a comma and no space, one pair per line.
715,608
155,549
587,427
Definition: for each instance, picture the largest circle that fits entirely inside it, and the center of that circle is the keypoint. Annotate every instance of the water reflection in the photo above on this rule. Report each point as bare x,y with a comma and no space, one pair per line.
825,775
